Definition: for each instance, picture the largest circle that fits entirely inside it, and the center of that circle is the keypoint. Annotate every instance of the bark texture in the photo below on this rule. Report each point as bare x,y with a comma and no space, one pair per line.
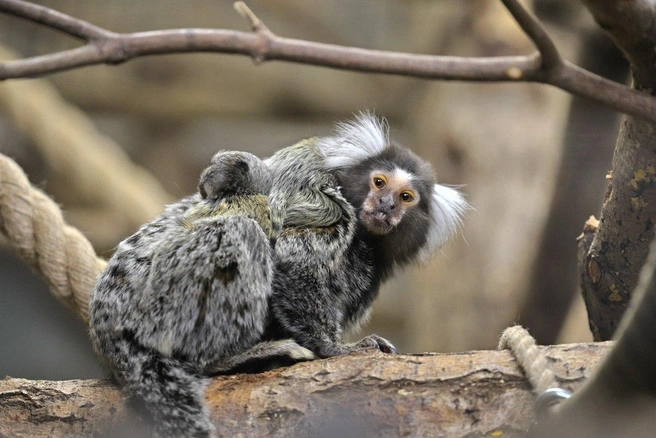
481,393
611,266
587,149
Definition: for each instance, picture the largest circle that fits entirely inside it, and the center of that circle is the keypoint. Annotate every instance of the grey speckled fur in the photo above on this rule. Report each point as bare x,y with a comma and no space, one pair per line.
328,265
322,280
187,296
200,291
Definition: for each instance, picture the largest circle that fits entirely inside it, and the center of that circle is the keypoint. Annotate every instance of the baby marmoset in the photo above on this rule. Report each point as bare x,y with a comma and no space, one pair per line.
187,296
199,290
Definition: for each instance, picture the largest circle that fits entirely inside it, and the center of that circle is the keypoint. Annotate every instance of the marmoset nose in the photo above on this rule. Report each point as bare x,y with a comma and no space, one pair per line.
387,202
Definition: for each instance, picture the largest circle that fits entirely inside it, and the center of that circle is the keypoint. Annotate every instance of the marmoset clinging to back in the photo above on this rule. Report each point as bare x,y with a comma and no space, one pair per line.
356,209
187,296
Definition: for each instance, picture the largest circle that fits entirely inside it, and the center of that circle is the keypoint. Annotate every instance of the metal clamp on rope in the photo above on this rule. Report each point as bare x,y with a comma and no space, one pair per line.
548,399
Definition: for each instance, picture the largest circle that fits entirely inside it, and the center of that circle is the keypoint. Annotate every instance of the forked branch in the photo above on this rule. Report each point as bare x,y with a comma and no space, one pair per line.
529,23
105,47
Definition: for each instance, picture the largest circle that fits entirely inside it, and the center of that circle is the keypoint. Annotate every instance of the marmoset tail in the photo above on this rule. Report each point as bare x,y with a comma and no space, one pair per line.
356,209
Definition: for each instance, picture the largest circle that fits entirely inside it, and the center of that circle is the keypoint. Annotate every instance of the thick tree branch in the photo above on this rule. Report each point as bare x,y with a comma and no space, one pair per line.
480,393
630,23
620,398
577,193
611,264
105,47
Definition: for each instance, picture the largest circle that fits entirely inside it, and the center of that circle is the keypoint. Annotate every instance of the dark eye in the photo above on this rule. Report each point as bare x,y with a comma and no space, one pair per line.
379,182
407,197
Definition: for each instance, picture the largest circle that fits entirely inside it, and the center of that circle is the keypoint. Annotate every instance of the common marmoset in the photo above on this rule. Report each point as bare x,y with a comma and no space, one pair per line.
357,208
187,295
200,290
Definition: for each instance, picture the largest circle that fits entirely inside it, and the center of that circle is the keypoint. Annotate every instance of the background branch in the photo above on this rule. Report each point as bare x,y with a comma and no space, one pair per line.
612,263
534,30
104,47
48,17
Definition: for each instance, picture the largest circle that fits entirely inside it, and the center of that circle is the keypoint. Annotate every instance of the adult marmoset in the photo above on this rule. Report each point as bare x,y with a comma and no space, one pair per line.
357,208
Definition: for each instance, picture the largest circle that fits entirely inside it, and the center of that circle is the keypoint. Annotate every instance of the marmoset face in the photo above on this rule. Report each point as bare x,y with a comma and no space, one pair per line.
391,195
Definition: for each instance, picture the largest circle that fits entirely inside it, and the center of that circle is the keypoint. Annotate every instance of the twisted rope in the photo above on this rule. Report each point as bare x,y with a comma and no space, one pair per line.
529,357
35,229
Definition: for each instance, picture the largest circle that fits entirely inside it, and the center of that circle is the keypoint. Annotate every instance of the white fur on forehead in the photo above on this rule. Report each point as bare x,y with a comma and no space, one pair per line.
403,176
448,208
355,141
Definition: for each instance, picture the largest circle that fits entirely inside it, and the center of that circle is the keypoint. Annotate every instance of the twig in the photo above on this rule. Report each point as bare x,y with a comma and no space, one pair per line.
248,14
104,47
54,19
534,30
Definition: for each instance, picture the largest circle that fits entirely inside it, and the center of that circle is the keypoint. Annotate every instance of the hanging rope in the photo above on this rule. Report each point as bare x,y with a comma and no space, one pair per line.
529,357
35,229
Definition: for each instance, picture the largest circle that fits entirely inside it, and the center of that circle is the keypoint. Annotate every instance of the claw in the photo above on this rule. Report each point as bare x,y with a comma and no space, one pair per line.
371,341
376,341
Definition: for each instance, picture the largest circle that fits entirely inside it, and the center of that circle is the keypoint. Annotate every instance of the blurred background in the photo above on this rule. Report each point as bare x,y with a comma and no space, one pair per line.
532,160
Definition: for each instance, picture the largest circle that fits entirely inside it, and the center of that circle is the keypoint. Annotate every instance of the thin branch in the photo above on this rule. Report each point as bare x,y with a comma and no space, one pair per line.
124,47
54,19
104,47
533,28
248,14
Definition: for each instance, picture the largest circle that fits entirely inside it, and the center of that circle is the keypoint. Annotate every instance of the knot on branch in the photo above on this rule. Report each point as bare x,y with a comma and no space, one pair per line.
35,229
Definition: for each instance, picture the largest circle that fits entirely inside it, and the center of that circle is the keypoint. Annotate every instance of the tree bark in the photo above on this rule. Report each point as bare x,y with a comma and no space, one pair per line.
480,393
611,266
587,150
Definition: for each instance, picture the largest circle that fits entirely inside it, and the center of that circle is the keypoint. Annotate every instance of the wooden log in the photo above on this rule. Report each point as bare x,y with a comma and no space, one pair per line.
478,393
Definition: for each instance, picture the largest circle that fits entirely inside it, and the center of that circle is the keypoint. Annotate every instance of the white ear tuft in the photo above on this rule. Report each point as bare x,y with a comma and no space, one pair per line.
355,141
448,207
